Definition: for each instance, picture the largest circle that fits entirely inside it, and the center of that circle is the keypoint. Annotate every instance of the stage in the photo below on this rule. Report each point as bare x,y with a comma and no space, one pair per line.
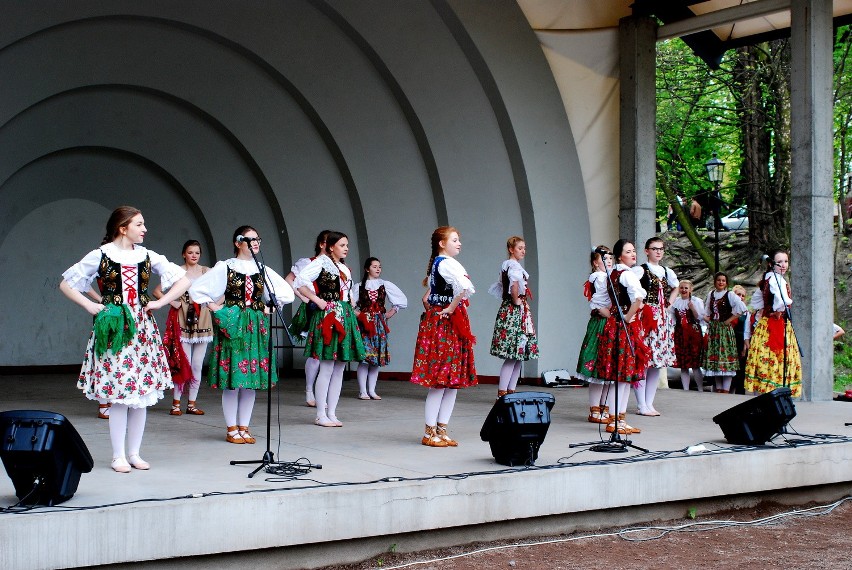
379,487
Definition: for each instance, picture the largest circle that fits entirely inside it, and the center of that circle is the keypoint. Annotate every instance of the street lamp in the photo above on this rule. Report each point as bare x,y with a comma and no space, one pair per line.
715,172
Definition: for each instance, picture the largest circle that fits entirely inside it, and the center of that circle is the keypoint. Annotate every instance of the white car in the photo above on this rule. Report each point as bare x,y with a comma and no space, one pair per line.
736,220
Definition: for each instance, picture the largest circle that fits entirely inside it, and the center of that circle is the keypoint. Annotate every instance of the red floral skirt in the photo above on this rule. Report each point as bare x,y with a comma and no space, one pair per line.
615,360
443,358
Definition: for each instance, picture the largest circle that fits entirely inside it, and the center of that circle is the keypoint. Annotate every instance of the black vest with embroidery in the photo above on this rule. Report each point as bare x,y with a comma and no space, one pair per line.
440,292
110,282
721,306
327,286
652,284
622,297
235,290
366,304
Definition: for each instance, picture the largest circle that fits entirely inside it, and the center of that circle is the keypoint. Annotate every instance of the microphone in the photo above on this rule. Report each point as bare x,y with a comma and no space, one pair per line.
601,251
764,258
244,239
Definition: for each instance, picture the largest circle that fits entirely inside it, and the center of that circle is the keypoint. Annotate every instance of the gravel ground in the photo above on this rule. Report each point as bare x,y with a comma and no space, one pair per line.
808,536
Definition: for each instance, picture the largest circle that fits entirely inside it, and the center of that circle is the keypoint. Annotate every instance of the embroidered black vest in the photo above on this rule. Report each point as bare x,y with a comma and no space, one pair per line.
652,284
365,304
235,290
721,306
327,286
622,297
440,292
110,282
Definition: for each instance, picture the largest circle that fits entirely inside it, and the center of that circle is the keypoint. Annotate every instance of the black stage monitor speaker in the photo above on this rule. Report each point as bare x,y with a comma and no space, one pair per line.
43,455
758,420
516,426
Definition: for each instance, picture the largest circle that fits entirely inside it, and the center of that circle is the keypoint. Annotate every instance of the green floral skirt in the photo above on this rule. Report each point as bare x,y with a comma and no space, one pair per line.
334,335
240,357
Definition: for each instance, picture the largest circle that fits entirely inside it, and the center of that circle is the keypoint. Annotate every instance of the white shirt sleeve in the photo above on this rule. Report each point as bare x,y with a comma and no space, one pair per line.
309,274
168,271
757,299
211,286
634,288
283,291
456,276
395,295
672,278
81,275
774,281
737,304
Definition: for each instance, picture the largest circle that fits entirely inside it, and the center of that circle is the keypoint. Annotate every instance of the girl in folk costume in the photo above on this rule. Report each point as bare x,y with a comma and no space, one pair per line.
443,354
514,338
333,336
688,312
125,364
587,364
371,294
661,285
302,318
722,311
773,352
240,362
616,361
189,329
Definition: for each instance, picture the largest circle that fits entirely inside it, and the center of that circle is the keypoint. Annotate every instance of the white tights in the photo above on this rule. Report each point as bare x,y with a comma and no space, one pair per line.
623,394
368,376
311,371
509,374
723,382
327,388
195,352
237,406
647,390
439,405
699,378
596,394
126,421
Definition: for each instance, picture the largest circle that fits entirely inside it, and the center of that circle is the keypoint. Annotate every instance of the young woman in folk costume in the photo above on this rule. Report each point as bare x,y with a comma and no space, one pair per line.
333,336
596,292
125,364
660,283
773,351
240,362
616,362
188,331
302,319
688,312
443,354
514,339
722,311
371,295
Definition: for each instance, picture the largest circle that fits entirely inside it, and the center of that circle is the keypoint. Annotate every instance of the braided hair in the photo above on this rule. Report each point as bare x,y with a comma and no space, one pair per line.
439,235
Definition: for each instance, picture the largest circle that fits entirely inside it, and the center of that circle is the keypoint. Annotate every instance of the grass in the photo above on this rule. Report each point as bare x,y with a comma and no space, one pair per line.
842,365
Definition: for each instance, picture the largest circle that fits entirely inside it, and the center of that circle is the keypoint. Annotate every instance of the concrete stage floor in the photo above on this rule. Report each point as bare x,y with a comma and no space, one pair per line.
378,486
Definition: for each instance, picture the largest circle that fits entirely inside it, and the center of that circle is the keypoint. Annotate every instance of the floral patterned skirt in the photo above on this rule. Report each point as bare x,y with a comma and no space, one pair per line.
689,343
442,357
615,360
376,345
764,370
136,375
240,357
661,339
720,354
587,363
333,334
514,334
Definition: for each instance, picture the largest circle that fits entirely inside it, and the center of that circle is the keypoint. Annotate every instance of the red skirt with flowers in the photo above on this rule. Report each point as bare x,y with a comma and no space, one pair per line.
443,358
615,360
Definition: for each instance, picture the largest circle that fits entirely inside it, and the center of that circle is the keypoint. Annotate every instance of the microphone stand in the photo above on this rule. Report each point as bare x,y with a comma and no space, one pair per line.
616,443
268,459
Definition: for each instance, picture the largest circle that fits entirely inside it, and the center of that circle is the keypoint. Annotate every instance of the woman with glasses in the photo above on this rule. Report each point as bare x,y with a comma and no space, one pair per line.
240,362
661,284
